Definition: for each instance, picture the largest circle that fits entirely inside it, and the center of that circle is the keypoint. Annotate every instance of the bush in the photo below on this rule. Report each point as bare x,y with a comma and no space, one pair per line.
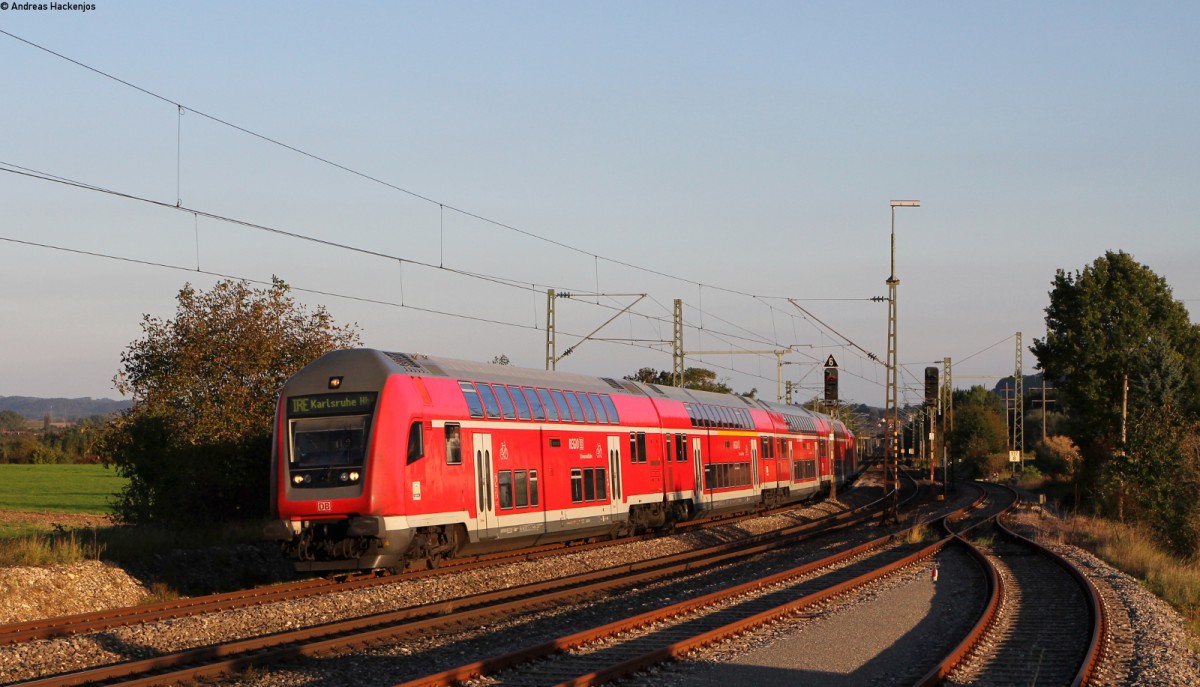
196,444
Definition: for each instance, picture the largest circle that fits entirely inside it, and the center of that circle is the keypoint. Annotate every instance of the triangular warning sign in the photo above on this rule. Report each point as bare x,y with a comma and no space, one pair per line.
830,362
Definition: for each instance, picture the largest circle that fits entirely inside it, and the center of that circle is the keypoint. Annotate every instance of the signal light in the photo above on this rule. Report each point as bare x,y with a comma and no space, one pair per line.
831,384
931,385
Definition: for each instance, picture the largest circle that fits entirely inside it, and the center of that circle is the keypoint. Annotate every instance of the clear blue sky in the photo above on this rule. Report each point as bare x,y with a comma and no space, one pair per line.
727,154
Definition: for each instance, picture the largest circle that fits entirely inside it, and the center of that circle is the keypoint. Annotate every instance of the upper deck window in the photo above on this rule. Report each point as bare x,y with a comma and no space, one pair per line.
601,414
506,402
474,405
535,404
588,411
564,411
522,405
551,411
612,409
489,400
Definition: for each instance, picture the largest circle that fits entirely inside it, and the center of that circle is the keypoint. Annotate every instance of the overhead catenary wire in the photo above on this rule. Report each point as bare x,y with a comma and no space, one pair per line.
181,109
12,168
349,170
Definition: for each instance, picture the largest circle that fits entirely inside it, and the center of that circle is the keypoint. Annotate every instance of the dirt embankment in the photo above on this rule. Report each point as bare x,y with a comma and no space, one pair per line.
50,520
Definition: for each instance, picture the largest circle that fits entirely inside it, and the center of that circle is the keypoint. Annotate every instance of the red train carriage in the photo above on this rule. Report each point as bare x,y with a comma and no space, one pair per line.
384,458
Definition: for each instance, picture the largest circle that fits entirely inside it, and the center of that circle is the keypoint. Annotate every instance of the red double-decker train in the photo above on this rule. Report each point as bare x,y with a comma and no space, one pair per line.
385,459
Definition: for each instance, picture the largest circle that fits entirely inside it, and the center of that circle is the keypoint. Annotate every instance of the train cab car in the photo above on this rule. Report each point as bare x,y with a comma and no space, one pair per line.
382,460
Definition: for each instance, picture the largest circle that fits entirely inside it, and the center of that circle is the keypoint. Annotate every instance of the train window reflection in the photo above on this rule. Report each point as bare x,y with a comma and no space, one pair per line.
506,402
489,400
522,405
324,441
453,444
551,411
473,403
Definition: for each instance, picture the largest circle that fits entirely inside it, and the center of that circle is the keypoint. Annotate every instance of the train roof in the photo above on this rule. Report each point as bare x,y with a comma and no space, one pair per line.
423,365
439,366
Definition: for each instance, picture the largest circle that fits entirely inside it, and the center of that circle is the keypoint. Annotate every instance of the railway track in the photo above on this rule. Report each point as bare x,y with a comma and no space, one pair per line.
429,618
1043,621
65,626
621,648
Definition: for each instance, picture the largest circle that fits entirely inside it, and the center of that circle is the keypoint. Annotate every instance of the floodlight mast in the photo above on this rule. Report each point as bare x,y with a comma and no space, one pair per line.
892,410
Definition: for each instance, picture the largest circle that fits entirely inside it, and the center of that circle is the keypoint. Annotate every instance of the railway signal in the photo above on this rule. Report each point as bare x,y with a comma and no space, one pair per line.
831,380
931,386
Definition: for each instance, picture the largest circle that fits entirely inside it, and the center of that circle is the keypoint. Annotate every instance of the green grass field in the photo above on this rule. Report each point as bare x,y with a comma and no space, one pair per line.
58,488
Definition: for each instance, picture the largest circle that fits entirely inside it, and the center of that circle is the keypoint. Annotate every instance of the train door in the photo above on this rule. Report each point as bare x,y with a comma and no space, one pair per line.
703,498
485,498
754,463
786,465
615,492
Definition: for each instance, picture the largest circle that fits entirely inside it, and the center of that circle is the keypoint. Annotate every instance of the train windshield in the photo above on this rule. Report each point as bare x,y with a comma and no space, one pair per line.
339,441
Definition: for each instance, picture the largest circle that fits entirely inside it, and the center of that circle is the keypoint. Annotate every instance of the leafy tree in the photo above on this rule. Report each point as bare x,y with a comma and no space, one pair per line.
1114,323
1162,471
693,378
1116,318
196,443
1057,455
980,436
11,420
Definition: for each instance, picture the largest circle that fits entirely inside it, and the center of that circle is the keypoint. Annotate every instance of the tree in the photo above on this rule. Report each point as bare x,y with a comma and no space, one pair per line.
196,443
1057,456
11,420
693,378
1116,320
979,435
1162,470
1116,323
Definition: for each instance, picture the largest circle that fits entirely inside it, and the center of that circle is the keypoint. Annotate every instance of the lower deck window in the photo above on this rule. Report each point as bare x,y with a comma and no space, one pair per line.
518,488
804,469
726,475
589,484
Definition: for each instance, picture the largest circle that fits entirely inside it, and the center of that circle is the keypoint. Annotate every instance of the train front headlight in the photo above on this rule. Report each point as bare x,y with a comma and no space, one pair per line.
297,479
354,475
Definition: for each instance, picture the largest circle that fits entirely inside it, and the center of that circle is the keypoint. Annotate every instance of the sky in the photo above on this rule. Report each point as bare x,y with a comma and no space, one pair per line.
428,171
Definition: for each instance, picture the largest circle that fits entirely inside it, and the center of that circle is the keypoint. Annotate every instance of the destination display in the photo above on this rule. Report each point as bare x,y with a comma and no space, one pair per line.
331,404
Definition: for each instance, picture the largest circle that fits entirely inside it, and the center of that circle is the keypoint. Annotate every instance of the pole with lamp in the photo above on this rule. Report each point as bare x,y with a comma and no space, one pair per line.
892,410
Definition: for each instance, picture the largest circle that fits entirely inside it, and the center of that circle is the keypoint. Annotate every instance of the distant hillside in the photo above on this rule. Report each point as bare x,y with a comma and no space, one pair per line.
61,409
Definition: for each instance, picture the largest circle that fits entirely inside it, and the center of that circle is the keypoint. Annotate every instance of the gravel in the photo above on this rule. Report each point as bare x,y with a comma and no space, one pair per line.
1149,643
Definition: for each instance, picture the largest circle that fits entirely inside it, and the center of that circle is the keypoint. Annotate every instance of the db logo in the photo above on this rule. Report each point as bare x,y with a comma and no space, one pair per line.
324,506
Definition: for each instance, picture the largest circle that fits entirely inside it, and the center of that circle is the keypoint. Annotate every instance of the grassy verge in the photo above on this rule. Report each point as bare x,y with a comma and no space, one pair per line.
120,544
1173,580
41,548
58,488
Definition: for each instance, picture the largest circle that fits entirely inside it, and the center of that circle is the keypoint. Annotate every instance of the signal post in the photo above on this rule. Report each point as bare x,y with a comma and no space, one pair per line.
831,397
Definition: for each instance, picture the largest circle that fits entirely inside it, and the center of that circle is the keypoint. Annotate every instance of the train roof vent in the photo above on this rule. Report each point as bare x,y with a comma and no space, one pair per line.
613,383
633,388
405,361
435,370
657,390
745,400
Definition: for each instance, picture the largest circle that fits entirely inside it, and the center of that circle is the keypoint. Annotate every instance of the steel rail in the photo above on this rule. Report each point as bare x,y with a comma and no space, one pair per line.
1099,620
241,654
83,623
995,592
691,606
